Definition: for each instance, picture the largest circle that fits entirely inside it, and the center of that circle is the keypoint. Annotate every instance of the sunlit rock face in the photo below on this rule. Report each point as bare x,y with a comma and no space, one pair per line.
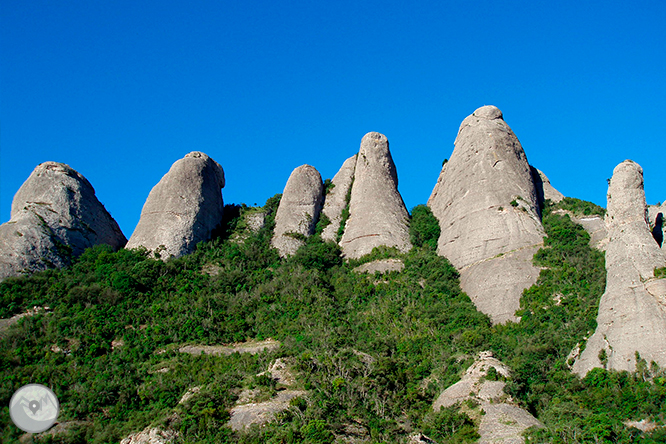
488,209
632,310
55,216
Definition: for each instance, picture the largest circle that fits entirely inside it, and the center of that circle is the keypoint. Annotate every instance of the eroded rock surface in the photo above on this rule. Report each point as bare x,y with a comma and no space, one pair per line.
151,435
632,310
299,209
336,199
377,213
501,420
183,209
656,215
488,211
55,216
544,186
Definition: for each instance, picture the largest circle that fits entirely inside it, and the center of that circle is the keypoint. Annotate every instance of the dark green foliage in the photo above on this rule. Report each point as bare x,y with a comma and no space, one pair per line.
328,186
660,273
322,223
451,426
580,207
423,228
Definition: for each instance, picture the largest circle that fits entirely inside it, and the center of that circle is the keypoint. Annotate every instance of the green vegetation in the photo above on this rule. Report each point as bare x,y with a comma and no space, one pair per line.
580,207
372,355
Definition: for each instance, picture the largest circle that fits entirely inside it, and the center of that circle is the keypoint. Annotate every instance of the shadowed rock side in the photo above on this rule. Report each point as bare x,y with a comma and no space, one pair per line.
549,192
488,210
656,215
299,209
501,420
336,199
55,216
377,213
632,310
183,208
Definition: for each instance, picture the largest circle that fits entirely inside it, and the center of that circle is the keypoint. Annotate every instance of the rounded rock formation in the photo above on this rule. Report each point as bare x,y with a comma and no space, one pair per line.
488,210
55,216
336,200
299,209
377,213
183,209
632,310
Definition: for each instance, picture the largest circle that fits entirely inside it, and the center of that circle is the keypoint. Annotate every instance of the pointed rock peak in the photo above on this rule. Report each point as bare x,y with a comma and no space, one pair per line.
488,112
377,213
336,199
183,209
55,216
487,205
544,188
299,209
632,310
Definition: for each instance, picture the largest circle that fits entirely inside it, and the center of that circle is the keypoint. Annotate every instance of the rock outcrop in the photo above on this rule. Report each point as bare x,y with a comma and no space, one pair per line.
299,209
656,215
488,211
377,213
55,216
544,188
632,310
336,199
183,209
501,420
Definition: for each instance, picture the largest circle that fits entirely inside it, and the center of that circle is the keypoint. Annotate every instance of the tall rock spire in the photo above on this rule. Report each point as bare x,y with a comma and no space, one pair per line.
488,211
377,213
632,310
183,208
55,216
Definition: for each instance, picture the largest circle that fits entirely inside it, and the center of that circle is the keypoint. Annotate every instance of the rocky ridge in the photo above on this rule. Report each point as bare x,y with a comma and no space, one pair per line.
501,420
488,209
55,216
299,209
183,209
632,310
336,199
377,213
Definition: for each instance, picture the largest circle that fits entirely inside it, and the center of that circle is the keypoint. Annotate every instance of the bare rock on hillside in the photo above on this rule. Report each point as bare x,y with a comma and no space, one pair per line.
377,213
151,435
488,211
336,199
381,266
545,188
55,216
501,420
656,215
183,209
299,209
632,310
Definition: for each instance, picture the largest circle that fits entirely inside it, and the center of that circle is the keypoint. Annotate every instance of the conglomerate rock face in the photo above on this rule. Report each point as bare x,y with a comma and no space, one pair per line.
299,209
632,310
183,209
377,213
336,199
55,216
488,211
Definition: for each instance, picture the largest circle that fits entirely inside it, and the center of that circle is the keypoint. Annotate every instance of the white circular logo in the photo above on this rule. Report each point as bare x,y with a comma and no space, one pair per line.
34,408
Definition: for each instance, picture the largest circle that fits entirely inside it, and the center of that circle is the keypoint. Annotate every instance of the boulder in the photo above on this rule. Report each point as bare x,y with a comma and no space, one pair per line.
336,199
299,209
55,215
632,310
377,213
183,209
488,210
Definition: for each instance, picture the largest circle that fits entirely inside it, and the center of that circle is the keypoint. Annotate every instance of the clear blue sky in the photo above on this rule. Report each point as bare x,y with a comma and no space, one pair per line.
119,90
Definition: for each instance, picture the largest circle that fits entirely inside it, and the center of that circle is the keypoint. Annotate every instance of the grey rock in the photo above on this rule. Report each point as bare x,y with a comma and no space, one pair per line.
632,310
502,420
299,209
377,213
183,209
55,210
336,199
488,210
381,266
543,183
656,215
